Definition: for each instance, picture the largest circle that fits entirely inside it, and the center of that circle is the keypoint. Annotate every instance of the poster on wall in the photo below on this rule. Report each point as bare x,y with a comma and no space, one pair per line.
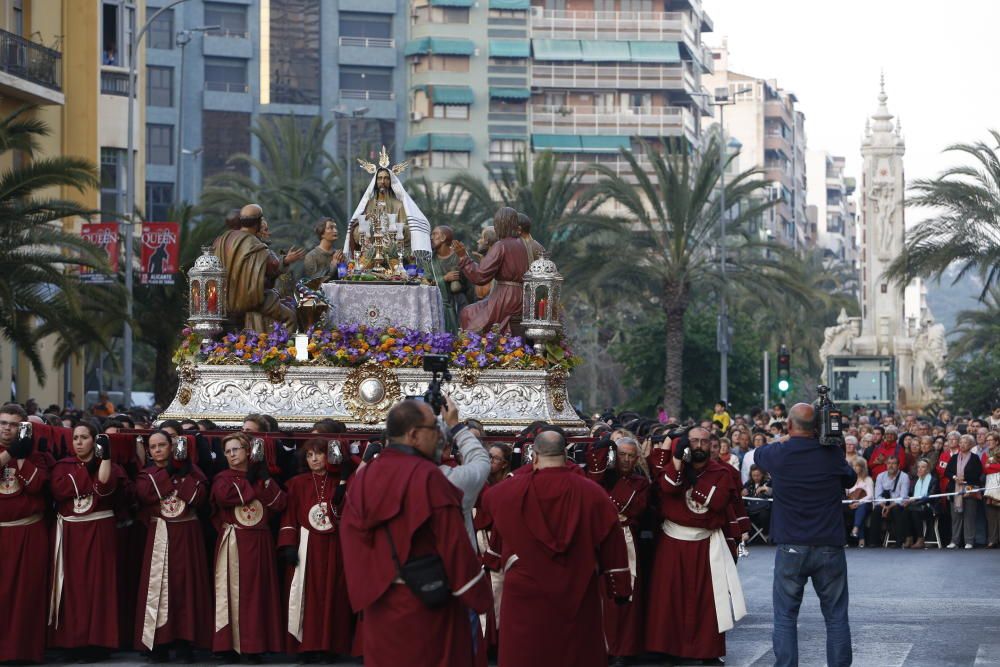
160,254
104,235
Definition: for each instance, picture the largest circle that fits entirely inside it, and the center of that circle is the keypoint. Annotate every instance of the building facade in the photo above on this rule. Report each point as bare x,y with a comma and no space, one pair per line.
831,195
770,129
582,78
217,68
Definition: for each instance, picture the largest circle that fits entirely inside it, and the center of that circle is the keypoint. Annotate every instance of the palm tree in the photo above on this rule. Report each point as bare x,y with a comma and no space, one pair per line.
296,180
447,204
40,288
672,225
965,228
978,329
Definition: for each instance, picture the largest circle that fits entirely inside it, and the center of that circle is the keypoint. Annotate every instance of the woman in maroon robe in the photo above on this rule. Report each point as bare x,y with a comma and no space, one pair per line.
83,611
320,620
174,605
24,540
506,263
248,617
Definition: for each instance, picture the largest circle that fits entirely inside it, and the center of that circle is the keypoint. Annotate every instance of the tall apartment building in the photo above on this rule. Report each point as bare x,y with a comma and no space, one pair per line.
582,78
831,194
65,56
215,68
771,133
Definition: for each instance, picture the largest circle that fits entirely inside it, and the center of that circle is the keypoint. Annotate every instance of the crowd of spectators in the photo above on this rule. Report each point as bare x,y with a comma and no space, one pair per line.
905,463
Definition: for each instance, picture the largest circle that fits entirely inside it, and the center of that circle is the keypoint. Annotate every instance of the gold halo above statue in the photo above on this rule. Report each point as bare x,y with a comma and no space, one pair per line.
383,162
370,390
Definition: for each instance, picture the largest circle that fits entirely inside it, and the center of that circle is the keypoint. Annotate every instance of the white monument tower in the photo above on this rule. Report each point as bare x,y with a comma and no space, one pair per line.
884,329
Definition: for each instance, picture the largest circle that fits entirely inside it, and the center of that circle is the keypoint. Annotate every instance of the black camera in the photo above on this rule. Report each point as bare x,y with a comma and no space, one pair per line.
437,364
829,419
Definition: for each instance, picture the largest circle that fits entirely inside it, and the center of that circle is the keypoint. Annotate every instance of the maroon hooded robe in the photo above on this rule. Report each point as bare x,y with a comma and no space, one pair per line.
404,493
681,616
24,556
506,262
246,510
327,619
556,532
189,585
88,605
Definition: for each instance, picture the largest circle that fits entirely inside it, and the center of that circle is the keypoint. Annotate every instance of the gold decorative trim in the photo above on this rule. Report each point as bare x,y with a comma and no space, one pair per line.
468,377
277,375
371,410
187,372
556,381
184,395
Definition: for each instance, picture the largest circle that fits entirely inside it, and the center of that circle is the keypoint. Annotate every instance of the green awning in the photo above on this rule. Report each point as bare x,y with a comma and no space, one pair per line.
451,143
456,95
451,3
605,52
556,49
417,143
655,52
603,143
439,46
514,94
510,4
510,48
557,143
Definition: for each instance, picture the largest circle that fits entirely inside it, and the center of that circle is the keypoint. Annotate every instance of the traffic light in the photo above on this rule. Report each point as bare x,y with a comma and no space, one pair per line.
784,370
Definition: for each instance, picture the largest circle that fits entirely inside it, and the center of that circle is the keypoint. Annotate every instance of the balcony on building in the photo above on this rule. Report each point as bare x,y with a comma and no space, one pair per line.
619,65
439,151
613,25
371,87
29,72
663,121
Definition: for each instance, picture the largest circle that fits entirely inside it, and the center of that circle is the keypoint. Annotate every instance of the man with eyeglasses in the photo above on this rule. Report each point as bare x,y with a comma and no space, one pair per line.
695,592
24,540
401,508
628,488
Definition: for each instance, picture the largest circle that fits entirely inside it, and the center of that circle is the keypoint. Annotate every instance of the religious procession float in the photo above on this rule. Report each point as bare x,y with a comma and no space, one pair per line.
356,338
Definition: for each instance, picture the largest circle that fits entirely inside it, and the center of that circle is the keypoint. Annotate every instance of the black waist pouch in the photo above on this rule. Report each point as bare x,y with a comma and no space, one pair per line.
424,575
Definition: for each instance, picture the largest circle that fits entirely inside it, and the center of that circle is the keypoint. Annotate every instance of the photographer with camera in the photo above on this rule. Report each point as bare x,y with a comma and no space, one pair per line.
807,525
468,471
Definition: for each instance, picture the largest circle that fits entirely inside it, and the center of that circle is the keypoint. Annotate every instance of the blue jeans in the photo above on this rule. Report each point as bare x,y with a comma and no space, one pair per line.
827,567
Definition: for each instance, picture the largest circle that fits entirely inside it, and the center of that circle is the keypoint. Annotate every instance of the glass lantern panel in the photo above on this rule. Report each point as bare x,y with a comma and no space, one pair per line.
212,298
195,305
541,302
527,302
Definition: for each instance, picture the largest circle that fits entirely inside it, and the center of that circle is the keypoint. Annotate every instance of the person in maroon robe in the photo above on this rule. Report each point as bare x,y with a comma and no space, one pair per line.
174,604
320,620
24,539
556,532
629,491
248,618
506,263
401,507
83,607
694,590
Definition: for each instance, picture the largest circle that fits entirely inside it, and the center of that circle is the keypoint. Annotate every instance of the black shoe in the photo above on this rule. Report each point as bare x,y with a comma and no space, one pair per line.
252,658
226,657
617,661
158,654
184,652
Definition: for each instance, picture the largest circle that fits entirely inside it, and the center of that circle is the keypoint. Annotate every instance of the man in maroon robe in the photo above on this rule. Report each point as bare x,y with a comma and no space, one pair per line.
556,532
24,540
695,594
629,491
505,263
401,502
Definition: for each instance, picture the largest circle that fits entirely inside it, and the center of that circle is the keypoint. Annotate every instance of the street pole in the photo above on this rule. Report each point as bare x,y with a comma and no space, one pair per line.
767,379
347,165
182,40
130,202
723,311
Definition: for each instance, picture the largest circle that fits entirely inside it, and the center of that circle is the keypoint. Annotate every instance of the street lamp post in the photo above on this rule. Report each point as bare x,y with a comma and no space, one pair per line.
130,202
182,39
342,114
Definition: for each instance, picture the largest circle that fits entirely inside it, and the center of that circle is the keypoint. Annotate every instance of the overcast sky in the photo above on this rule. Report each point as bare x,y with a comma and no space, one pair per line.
939,60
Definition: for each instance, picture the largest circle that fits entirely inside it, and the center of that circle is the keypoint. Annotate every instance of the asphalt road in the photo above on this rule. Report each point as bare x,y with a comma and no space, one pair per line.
933,608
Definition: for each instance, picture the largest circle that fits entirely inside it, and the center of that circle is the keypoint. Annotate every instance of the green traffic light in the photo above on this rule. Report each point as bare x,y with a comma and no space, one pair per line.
784,385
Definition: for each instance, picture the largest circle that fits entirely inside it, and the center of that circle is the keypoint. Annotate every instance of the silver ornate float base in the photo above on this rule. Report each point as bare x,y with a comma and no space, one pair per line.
297,396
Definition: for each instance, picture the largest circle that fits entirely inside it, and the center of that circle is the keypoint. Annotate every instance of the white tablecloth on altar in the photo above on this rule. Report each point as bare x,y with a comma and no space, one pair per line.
414,306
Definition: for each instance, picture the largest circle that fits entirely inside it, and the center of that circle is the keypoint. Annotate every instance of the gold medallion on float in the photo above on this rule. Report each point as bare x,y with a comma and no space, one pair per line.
82,504
9,483
250,514
172,507
319,517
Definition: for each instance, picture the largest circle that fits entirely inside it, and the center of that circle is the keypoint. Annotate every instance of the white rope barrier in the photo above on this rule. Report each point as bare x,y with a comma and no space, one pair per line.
881,501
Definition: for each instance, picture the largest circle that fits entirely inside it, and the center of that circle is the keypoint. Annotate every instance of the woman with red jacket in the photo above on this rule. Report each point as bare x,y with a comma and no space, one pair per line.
247,592
83,611
174,603
320,620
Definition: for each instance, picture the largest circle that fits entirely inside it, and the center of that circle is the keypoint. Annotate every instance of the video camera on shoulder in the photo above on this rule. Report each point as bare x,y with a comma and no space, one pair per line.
830,423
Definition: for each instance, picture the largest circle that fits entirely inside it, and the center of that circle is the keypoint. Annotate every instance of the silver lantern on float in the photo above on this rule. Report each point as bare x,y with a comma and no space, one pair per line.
207,294
542,308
